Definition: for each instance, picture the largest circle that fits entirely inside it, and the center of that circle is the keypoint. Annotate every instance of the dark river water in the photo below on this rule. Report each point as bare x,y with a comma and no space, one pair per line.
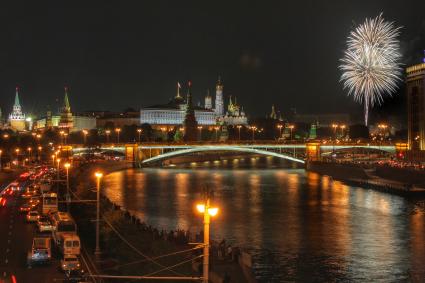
299,226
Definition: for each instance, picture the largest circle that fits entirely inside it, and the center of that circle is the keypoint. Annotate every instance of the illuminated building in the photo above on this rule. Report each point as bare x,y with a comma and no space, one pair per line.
173,113
415,82
234,115
66,121
17,118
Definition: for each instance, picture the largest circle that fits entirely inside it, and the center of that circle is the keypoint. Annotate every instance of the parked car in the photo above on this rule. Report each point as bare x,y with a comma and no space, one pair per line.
33,216
70,262
44,224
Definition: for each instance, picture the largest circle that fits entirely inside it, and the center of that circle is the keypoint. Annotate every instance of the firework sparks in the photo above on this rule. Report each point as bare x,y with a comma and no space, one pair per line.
371,62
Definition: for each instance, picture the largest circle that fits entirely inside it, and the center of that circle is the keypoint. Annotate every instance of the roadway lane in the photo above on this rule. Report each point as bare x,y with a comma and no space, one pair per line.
16,237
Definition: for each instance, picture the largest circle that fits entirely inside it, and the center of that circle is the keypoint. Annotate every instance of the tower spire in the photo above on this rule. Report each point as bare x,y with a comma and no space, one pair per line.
66,104
190,124
178,90
17,97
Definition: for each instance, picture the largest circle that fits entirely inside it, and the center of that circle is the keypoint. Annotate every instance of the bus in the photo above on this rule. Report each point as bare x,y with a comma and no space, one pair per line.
49,203
62,224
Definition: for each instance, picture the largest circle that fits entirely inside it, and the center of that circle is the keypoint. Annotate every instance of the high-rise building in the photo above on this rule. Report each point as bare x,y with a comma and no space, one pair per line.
17,118
190,125
66,120
219,103
416,106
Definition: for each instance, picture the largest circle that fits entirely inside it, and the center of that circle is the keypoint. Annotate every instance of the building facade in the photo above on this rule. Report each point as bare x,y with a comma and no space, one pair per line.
173,113
415,82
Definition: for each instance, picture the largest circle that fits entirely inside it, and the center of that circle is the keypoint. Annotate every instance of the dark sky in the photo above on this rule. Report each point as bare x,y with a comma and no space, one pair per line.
119,54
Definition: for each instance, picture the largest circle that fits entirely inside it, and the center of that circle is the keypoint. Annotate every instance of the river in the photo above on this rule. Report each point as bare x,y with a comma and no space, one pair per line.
299,226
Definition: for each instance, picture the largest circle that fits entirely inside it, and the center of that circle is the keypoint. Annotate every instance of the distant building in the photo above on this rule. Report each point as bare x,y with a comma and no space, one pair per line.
416,106
173,112
322,120
117,119
65,119
17,117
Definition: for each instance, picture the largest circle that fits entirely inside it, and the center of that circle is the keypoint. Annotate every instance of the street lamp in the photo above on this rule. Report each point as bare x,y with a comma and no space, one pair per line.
98,176
68,197
17,156
66,137
239,131
39,153
61,133
200,132
85,133
342,130
29,149
208,211
253,128
107,132
139,131
280,130
216,128
0,160
118,130
291,128
53,159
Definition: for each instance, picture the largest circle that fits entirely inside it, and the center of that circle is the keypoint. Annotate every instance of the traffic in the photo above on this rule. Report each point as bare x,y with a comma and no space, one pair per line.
55,241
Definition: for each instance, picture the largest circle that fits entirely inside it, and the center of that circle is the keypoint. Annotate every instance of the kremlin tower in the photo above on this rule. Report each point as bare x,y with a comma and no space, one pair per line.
66,120
17,118
219,103
190,124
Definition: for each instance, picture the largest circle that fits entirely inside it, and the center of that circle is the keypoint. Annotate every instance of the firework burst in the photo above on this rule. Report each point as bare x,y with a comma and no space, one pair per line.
371,63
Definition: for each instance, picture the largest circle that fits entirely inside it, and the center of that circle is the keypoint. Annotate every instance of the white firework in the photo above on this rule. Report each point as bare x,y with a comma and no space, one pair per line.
371,63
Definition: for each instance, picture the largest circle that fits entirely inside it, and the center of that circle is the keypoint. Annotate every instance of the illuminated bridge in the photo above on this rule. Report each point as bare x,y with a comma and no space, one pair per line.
152,153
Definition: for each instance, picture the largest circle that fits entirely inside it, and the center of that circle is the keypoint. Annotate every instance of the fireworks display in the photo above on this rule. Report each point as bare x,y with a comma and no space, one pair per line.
371,63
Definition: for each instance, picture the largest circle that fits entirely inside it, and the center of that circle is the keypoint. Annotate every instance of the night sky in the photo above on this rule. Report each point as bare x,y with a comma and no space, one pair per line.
119,54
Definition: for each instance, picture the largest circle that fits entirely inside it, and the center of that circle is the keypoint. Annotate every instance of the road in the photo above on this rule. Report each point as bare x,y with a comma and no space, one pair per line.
15,241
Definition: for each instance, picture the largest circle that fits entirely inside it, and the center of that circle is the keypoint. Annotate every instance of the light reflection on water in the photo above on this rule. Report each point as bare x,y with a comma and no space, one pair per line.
299,226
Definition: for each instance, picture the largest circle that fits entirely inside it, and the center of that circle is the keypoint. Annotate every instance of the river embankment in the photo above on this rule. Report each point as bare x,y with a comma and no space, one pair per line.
399,181
129,245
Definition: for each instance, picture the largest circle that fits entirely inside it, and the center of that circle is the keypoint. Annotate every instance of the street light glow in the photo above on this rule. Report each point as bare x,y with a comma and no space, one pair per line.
98,174
211,211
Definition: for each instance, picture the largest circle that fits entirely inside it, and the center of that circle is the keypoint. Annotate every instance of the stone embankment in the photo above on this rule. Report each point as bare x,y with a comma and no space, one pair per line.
392,180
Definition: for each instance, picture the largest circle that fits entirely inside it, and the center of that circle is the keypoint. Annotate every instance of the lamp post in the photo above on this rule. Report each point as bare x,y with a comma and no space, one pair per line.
98,176
291,128
239,131
280,130
68,197
61,133
139,132
29,149
118,130
58,161
253,128
208,211
17,156
85,133
342,130
216,128
1,151
107,132
200,132
39,153
65,135
53,160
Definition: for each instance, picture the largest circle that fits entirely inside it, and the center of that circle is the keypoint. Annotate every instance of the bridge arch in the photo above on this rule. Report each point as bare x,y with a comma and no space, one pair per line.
179,152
